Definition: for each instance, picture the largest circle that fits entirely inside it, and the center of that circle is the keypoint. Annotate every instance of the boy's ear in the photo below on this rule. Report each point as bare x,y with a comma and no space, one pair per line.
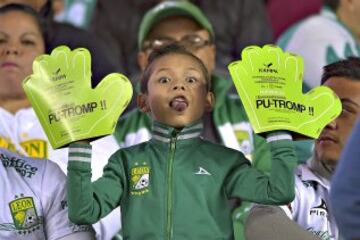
141,100
210,101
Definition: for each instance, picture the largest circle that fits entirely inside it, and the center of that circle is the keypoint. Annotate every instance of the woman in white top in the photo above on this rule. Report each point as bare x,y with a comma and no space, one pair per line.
22,39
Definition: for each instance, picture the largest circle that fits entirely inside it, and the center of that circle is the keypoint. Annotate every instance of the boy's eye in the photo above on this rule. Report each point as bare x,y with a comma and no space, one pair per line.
191,79
164,80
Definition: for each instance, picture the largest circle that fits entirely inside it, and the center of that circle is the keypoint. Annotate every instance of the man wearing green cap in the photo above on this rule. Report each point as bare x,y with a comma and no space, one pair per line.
183,23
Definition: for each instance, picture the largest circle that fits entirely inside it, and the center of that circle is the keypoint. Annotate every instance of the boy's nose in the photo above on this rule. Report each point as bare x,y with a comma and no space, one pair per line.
179,87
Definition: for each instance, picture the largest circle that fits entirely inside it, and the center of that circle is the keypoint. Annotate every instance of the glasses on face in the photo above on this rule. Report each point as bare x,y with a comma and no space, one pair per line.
192,42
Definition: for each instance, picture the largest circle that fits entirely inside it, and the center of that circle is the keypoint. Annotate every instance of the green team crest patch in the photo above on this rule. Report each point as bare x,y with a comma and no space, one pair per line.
24,214
140,180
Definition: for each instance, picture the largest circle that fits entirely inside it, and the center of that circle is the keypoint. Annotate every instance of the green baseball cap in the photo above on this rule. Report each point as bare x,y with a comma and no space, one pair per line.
168,9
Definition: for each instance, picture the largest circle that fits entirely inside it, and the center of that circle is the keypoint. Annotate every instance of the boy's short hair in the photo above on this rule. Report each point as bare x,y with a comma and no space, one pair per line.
168,9
347,68
169,50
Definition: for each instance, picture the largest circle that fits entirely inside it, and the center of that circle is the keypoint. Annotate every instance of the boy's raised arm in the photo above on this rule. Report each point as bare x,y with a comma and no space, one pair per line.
88,202
250,184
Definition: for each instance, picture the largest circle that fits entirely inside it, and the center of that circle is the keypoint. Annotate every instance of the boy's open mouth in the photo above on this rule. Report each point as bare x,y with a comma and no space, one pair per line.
179,103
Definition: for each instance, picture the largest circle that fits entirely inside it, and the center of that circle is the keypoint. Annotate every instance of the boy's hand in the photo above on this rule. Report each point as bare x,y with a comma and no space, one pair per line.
269,82
68,108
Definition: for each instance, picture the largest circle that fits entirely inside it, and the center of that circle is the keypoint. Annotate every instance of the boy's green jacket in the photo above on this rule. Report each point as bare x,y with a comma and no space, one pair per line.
176,186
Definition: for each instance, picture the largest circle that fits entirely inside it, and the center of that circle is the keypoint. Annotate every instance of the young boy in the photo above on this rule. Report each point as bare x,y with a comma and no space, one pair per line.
177,185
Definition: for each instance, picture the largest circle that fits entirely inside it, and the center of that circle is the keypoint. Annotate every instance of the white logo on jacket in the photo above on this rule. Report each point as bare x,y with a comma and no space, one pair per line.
202,171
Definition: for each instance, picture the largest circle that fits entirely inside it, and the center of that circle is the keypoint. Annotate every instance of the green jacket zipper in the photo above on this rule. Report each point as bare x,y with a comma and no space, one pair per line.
169,188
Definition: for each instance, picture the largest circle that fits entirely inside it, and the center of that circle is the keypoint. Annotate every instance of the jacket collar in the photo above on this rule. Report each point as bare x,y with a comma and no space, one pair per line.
164,133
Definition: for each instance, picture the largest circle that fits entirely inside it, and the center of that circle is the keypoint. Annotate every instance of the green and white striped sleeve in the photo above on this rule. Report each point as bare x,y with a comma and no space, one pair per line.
80,152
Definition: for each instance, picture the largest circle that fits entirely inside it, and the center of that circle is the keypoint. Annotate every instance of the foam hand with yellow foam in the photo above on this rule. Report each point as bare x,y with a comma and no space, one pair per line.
68,108
269,83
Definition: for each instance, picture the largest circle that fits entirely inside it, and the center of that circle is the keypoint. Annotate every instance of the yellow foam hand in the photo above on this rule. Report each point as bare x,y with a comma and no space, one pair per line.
269,83
68,108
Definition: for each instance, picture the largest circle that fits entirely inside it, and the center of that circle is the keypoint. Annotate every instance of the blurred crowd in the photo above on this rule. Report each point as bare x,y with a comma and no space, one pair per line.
120,36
